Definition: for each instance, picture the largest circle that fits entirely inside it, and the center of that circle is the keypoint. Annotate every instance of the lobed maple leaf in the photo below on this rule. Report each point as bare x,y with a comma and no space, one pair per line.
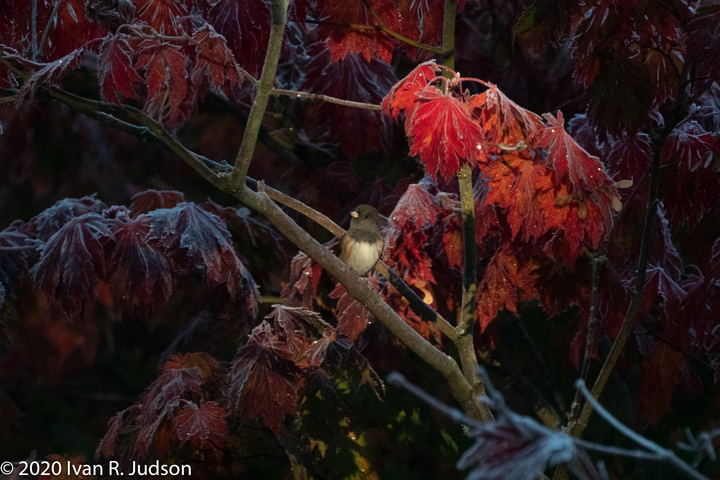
620,98
516,447
13,263
194,239
545,22
110,14
498,288
162,15
441,131
214,62
71,29
694,189
352,316
137,269
246,27
403,95
73,261
416,209
503,121
352,78
263,380
203,424
150,200
44,225
304,278
166,75
568,158
368,43
108,444
630,157
116,74
703,44
296,326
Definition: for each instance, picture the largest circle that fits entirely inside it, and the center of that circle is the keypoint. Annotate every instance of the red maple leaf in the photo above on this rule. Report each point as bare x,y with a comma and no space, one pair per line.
71,28
116,74
214,62
703,45
503,121
44,225
356,79
108,444
263,380
568,158
629,158
304,278
498,288
352,316
137,270
296,326
202,424
416,209
166,74
162,15
692,188
422,21
194,239
368,43
150,200
73,261
402,96
245,24
441,131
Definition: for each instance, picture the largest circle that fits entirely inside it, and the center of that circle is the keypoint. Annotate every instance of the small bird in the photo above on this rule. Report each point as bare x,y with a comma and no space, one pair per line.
362,245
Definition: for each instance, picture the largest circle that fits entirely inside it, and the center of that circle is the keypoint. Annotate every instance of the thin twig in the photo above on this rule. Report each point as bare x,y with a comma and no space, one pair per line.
262,94
597,261
662,453
50,23
680,112
339,101
33,29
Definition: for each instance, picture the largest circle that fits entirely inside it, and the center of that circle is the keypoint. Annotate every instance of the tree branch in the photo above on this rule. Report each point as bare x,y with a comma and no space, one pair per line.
679,113
339,101
262,93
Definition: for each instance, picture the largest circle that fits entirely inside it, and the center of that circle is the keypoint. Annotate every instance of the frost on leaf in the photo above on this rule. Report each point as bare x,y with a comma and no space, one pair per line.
584,171
137,270
368,43
246,27
116,74
692,189
520,449
165,65
196,240
214,62
73,261
296,326
162,15
629,158
50,73
422,21
304,278
150,200
203,424
44,225
13,263
441,131
263,380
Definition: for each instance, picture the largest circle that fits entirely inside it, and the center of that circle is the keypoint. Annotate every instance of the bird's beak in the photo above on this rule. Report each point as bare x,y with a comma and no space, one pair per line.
354,214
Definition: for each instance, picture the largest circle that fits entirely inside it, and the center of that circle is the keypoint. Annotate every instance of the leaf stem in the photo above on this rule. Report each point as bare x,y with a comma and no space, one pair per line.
262,94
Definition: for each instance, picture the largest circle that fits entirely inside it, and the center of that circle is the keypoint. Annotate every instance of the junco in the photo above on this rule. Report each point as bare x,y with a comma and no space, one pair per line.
362,245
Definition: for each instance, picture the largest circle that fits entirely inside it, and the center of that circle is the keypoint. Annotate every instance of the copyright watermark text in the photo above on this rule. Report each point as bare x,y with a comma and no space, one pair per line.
55,468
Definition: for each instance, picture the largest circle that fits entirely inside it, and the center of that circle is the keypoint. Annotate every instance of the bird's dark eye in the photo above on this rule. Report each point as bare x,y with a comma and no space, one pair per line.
366,216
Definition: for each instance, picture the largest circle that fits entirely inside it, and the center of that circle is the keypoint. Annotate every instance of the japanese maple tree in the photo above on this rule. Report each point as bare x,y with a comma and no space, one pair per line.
549,179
